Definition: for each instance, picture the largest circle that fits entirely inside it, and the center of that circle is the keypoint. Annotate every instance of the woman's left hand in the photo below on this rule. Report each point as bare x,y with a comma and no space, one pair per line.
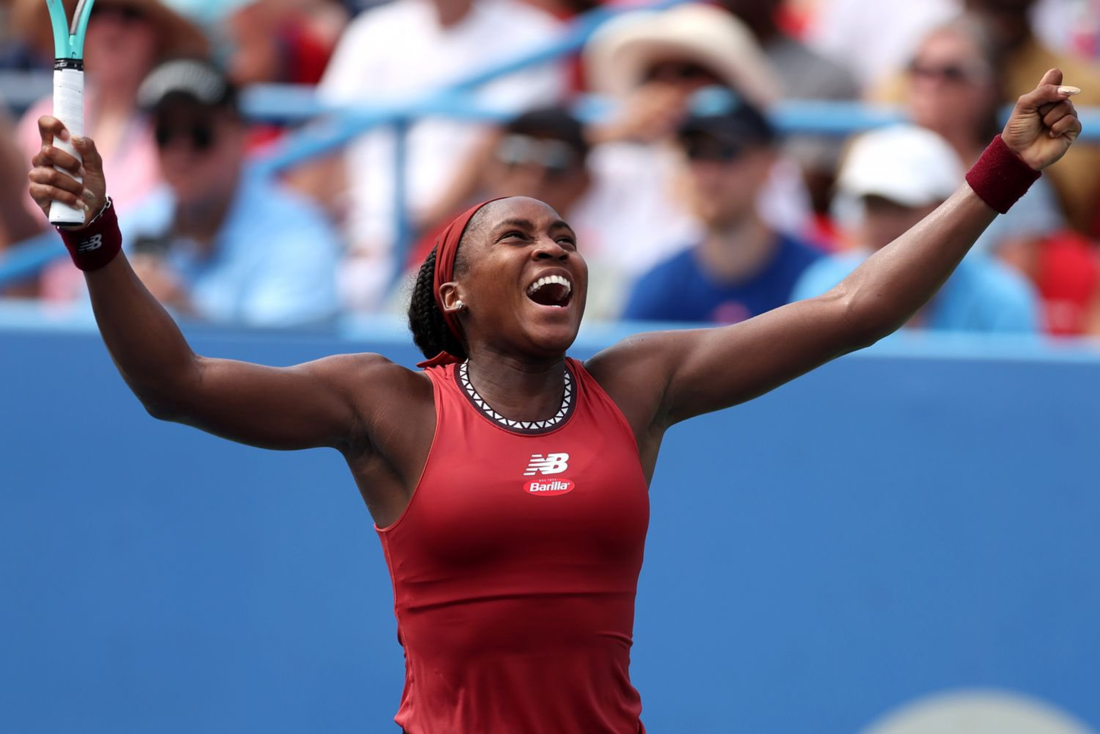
1044,123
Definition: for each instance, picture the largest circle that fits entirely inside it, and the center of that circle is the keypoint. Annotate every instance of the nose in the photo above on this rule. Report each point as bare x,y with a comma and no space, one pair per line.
547,248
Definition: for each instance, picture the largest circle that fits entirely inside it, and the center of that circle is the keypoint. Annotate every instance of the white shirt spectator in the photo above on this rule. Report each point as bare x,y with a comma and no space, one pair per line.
400,51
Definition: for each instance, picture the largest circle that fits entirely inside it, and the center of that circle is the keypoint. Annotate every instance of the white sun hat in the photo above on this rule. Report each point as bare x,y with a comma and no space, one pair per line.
619,54
906,164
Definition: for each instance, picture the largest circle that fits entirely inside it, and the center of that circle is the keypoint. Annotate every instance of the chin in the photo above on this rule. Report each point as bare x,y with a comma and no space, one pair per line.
553,341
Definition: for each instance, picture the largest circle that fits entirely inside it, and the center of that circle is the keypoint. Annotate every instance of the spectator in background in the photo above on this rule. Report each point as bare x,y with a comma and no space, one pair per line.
741,267
649,64
1021,59
803,74
543,153
125,40
890,180
405,49
953,87
874,39
1077,181
23,46
17,222
282,41
216,242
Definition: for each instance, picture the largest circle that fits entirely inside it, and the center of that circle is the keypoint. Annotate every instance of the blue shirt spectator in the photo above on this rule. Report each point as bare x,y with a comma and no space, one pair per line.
740,267
218,241
890,180
272,263
982,295
681,289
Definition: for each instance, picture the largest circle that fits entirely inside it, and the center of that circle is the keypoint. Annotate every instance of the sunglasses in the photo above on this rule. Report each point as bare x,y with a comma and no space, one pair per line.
678,71
125,13
553,155
711,149
950,73
199,135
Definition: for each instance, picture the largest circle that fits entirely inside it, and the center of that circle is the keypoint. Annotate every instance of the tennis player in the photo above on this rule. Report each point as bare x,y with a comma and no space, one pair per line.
508,482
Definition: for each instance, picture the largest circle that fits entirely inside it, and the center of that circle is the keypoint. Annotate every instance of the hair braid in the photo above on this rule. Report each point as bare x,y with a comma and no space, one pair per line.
429,330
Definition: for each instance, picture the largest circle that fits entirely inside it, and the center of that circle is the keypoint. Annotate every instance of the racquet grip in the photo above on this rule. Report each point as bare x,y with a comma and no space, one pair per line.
68,106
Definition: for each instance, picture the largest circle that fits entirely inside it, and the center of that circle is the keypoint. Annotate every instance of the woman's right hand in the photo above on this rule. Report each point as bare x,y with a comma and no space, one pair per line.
47,184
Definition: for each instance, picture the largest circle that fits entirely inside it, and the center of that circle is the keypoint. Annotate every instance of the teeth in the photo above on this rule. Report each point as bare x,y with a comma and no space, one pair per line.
556,279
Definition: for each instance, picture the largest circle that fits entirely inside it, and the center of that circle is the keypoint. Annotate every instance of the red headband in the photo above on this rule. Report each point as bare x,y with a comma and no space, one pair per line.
446,249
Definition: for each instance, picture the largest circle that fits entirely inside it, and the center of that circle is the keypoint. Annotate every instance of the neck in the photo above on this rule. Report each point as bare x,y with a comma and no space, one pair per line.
519,389
201,221
739,250
115,99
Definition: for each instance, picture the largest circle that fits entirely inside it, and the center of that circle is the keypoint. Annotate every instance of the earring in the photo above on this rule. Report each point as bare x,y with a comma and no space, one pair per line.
459,305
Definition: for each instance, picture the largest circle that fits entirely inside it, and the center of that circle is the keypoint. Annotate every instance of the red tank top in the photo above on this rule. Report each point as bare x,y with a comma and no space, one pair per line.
515,568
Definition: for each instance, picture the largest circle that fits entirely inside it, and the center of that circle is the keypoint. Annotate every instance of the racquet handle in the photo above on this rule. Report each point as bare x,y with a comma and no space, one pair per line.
68,106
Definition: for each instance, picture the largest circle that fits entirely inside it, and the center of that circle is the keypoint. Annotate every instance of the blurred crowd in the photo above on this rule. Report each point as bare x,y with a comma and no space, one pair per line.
657,142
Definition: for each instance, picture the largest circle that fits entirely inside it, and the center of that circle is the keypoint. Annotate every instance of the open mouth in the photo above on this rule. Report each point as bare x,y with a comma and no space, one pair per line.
552,290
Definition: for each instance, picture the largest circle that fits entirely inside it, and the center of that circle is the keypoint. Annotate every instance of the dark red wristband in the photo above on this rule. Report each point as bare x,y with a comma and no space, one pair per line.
95,244
1000,177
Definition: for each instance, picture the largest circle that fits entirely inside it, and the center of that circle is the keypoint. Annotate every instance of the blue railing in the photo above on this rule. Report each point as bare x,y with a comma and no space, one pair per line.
331,126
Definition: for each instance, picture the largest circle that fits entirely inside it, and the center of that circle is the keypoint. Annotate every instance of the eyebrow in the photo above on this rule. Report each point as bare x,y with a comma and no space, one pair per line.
528,224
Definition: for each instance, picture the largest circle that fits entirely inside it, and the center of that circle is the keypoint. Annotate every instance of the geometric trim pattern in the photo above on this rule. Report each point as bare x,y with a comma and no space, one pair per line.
519,426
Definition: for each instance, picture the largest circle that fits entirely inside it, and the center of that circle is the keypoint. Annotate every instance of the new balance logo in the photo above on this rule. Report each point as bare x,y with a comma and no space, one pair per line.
92,243
549,464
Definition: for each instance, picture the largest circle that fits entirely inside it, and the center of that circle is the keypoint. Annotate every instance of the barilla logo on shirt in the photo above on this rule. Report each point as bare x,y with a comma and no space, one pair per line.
548,464
549,487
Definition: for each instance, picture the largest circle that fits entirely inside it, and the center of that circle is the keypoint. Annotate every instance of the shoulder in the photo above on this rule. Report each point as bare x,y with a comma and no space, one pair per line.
825,273
989,296
800,249
283,213
997,281
372,376
633,373
670,276
681,264
525,19
150,215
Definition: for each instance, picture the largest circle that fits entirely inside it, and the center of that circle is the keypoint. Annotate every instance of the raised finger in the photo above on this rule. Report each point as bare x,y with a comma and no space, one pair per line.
56,179
43,194
51,155
50,127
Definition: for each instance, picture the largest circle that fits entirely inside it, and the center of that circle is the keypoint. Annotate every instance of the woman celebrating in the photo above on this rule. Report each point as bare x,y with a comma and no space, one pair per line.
507,481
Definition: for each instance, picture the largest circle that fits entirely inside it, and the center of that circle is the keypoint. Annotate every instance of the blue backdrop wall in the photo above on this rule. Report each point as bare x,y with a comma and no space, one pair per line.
907,521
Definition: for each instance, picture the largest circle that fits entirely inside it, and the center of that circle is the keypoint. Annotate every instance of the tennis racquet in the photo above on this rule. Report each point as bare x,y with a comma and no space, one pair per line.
68,89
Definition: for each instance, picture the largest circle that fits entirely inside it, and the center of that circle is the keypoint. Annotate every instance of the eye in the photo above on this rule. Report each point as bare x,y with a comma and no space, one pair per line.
567,241
514,234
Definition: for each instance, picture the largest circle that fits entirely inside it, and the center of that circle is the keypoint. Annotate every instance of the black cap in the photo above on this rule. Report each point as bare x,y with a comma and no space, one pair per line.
727,116
189,79
557,123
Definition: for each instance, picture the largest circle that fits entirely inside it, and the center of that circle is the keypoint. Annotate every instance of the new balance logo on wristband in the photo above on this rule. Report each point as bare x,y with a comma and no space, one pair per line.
549,464
92,243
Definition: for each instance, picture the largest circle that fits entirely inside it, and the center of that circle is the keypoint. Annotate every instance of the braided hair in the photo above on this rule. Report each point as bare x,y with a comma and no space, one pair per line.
429,330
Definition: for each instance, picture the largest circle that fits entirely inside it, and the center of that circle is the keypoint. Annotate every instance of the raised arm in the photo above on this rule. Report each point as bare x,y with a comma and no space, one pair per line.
316,404
692,372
